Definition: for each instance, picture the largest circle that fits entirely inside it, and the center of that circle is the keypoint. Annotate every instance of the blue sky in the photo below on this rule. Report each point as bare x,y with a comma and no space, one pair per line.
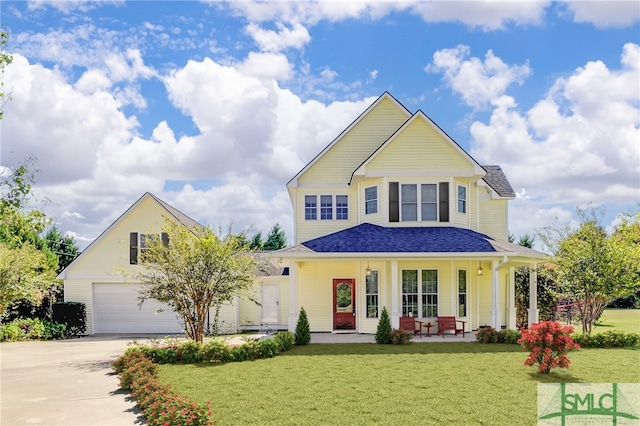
214,106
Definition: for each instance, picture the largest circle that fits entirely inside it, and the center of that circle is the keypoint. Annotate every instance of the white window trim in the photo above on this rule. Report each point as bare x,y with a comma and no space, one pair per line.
466,293
334,207
419,201
458,199
366,295
420,293
373,200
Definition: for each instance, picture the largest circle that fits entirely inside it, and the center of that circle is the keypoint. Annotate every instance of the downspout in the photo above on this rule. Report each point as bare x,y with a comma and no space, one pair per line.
496,313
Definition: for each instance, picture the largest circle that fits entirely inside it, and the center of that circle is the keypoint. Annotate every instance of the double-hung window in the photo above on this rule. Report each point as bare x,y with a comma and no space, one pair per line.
326,207
462,293
421,204
409,202
429,201
371,200
342,207
372,294
420,293
310,207
462,199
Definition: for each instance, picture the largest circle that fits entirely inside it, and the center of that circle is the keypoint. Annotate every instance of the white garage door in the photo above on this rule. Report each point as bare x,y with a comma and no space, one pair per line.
116,310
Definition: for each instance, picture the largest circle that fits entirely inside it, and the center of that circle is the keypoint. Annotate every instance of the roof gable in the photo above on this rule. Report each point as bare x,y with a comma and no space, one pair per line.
162,206
338,159
420,145
497,181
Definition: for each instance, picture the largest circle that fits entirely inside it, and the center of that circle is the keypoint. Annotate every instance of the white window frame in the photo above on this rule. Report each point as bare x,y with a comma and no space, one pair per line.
462,295
313,211
374,297
373,202
461,200
341,209
420,294
425,295
325,213
419,203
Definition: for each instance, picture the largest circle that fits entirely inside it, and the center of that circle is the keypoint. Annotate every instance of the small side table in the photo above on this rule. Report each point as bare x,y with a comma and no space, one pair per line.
424,324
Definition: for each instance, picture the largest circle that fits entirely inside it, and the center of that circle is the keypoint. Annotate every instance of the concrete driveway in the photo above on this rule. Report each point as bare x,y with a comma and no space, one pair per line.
65,382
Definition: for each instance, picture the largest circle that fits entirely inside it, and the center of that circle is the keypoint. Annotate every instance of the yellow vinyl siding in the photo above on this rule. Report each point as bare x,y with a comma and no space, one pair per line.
418,147
380,217
251,313
81,291
338,163
485,298
493,218
460,220
227,322
315,290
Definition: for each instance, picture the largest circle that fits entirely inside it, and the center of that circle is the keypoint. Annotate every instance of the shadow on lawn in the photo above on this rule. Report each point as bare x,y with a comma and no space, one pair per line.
324,349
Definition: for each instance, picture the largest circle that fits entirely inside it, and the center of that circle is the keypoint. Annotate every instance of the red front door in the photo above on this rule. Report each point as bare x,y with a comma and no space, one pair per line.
344,304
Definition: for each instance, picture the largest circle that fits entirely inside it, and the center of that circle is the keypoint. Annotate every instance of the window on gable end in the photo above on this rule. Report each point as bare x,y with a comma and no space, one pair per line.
371,200
342,207
310,207
326,207
462,199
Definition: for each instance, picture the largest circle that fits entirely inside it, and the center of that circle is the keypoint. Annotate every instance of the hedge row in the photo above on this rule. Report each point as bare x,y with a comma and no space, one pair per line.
608,339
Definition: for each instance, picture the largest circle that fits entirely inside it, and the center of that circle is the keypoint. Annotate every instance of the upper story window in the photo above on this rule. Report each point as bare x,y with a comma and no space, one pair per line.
371,200
462,199
139,243
427,202
330,207
310,207
421,204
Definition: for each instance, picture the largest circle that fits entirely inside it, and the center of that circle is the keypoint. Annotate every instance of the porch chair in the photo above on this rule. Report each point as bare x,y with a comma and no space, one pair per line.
450,324
409,324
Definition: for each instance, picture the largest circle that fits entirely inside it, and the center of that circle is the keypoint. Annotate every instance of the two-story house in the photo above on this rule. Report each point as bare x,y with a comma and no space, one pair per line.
395,213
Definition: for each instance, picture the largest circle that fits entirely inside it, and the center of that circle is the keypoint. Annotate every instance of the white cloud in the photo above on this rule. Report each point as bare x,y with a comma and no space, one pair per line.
478,82
273,66
67,6
275,41
577,145
604,14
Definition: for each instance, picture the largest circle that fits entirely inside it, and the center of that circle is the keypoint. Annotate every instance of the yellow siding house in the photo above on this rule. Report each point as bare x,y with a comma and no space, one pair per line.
394,213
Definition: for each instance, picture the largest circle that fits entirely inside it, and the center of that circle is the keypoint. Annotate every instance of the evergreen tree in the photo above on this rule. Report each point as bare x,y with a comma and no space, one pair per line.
383,333
303,333
276,239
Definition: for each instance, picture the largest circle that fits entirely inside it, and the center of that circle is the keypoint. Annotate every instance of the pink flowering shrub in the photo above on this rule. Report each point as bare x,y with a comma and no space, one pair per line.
549,343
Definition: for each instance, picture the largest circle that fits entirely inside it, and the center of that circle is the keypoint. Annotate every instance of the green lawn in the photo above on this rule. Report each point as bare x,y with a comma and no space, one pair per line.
619,319
362,384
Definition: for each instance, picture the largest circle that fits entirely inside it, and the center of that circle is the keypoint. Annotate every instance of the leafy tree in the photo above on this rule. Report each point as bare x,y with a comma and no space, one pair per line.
303,332
5,60
63,246
197,270
592,268
276,239
28,266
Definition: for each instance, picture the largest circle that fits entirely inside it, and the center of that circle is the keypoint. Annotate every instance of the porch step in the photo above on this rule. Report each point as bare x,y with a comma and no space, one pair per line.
343,332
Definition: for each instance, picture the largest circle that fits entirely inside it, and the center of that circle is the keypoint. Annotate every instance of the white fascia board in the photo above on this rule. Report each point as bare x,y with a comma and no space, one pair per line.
456,173
410,256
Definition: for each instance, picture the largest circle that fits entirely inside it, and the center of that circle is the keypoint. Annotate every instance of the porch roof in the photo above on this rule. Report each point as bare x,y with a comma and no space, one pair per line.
424,241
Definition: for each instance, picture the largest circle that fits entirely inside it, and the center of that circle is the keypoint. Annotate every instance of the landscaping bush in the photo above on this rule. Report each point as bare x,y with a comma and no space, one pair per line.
383,332
31,329
73,315
253,350
216,351
167,355
160,404
285,340
303,333
268,348
400,337
190,352
509,336
608,339
549,343
239,354
487,335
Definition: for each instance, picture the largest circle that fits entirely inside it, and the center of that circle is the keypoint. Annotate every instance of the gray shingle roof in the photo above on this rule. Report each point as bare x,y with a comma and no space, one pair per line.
497,180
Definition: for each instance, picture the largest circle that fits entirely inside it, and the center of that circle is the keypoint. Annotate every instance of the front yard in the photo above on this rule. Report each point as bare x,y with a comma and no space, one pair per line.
421,383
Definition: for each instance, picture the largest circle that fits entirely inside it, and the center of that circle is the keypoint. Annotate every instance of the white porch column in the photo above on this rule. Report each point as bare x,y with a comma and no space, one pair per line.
511,294
496,313
395,305
293,296
533,295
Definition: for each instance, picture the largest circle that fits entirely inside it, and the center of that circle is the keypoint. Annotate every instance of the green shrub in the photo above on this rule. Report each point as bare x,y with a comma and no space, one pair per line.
239,354
508,336
253,350
400,337
303,332
216,351
11,332
383,332
31,329
73,315
54,330
268,348
163,355
190,352
487,335
608,339
285,340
